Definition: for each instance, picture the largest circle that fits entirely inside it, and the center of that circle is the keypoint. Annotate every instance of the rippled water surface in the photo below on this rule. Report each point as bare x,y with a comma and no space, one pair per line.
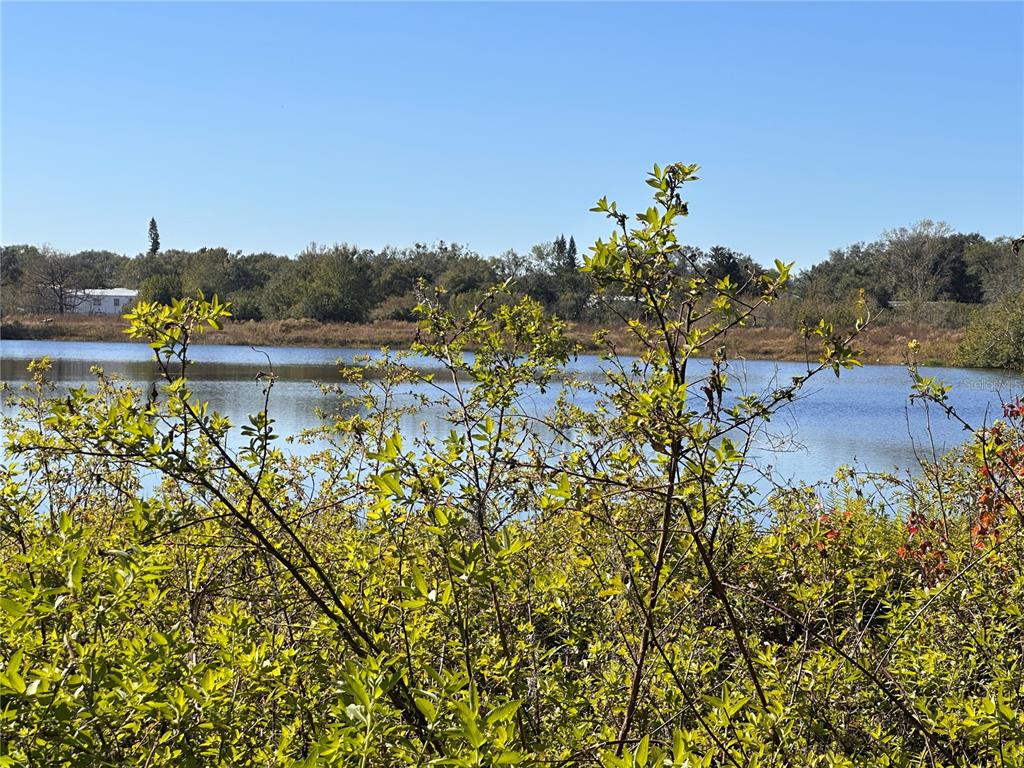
864,418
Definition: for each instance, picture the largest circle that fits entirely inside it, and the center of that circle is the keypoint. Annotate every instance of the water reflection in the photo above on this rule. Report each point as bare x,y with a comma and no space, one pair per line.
865,418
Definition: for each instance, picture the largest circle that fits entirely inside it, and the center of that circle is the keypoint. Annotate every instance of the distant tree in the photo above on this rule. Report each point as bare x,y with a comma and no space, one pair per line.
210,270
511,265
924,262
15,263
282,293
101,269
555,279
911,257
14,260
337,284
539,280
56,281
561,252
562,259
845,272
957,282
721,262
397,271
162,288
468,274
996,266
255,270
154,238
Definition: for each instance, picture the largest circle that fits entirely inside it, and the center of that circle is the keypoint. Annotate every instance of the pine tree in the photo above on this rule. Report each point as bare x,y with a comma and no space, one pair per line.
560,250
154,238
571,253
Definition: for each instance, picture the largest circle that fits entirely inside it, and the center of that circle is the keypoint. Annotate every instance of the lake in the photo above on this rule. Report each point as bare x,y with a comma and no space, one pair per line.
863,419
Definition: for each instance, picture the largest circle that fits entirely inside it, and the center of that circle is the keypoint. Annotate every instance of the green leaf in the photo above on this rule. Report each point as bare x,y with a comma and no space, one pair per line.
426,706
640,755
359,691
469,727
421,583
17,610
14,681
503,713
74,581
388,483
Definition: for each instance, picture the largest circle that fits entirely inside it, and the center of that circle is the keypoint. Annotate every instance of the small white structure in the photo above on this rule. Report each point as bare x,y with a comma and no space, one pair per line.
104,301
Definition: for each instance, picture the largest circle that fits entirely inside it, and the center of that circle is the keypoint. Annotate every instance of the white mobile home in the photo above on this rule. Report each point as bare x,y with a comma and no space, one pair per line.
104,301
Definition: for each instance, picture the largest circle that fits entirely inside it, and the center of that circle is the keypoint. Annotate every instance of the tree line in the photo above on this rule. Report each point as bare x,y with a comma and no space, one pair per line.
907,266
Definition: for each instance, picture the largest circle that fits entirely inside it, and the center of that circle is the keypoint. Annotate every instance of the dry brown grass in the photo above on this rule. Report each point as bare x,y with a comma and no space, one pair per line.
881,344
300,333
885,344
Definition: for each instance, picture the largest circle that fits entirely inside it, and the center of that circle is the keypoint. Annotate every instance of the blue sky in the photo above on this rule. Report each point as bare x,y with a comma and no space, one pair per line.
265,126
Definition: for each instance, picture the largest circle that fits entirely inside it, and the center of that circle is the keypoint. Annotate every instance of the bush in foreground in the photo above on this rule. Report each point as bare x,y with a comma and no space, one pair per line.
595,586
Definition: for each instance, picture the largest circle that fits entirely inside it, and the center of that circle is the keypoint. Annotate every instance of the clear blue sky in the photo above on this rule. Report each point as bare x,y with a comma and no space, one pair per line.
265,126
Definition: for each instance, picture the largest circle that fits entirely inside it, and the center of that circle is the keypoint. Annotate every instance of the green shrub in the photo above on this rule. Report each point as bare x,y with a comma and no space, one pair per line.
597,587
995,337
396,308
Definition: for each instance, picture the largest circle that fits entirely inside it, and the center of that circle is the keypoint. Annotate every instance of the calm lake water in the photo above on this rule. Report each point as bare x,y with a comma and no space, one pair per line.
863,419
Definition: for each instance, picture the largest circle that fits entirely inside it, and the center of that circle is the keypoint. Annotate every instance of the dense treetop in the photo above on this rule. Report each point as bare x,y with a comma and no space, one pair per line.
912,266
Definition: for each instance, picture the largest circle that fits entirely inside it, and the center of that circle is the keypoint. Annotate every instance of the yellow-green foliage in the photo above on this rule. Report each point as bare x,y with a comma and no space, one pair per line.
595,586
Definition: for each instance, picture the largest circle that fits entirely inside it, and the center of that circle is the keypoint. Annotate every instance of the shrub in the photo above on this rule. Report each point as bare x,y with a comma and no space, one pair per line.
995,338
594,587
396,308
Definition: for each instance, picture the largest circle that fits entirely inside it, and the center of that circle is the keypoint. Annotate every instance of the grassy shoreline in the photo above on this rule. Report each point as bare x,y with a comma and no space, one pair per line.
882,344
